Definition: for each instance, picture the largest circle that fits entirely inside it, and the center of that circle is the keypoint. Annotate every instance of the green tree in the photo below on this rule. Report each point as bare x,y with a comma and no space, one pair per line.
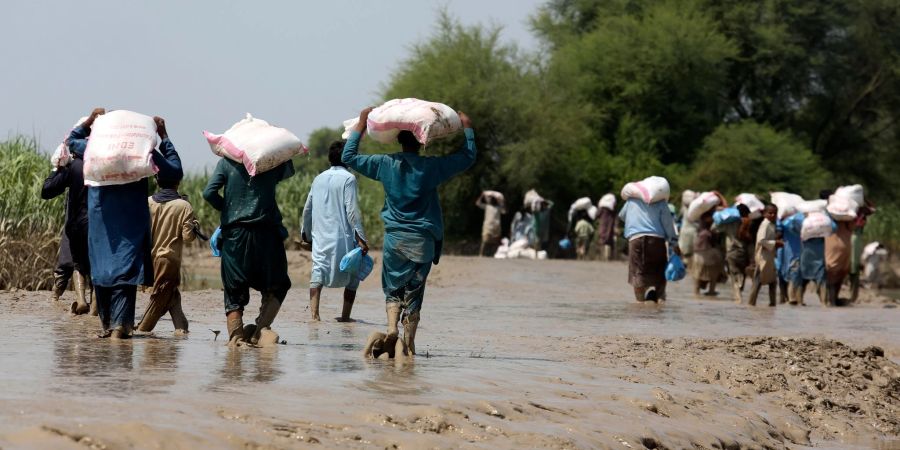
749,157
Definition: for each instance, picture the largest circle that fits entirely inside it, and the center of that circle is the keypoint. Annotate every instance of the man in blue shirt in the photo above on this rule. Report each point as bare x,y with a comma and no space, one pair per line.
413,223
119,241
648,227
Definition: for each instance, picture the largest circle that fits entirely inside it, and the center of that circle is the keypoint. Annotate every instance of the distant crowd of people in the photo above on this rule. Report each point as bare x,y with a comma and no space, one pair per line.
758,248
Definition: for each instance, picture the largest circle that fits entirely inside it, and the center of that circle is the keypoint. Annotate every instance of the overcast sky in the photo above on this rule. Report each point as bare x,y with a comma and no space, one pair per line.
202,64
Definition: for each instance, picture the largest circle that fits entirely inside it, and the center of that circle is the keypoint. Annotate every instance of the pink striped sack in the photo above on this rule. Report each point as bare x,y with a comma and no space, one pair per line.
256,144
120,149
649,190
426,120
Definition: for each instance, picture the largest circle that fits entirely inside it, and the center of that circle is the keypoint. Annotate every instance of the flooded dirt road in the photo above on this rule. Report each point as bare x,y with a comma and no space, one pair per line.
513,354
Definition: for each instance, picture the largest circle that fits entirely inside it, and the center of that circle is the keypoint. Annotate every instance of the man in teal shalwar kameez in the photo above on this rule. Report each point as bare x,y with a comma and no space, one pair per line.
252,243
413,222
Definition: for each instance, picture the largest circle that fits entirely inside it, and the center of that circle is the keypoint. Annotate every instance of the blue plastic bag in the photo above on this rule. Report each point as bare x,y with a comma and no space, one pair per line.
675,270
214,242
565,244
726,216
354,262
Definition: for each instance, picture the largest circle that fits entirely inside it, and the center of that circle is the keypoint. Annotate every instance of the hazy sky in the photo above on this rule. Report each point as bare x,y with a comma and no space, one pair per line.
202,64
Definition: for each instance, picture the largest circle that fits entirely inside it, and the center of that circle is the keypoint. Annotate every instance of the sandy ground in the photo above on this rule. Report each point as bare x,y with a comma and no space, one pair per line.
513,354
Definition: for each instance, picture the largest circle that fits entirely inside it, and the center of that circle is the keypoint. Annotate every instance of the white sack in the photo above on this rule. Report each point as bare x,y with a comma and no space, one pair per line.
61,157
649,190
816,225
811,206
607,201
703,203
854,192
256,144
842,208
752,202
120,149
787,203
426,120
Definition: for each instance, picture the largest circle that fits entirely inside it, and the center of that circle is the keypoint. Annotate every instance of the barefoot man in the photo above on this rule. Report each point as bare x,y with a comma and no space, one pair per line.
331,219
413,224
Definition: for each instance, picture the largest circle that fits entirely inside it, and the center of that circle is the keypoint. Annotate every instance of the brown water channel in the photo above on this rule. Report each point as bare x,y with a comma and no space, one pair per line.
507,359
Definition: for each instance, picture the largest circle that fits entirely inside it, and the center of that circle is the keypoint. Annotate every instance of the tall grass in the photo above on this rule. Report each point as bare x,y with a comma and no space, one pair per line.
291,196
29,226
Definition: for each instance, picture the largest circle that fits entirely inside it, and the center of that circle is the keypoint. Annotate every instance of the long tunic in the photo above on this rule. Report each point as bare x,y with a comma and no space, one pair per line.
331,218
765,252
119,220
490,229
71,179
837,253
411,203
737,252
606,226
412,209
172,225
253,254
789,269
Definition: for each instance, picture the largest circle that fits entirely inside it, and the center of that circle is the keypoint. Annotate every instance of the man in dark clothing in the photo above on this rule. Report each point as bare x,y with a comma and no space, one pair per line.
75,243
119,236
252,246
62,273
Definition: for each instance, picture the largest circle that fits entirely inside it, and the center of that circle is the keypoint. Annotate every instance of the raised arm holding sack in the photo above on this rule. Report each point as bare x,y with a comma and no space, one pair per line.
413,224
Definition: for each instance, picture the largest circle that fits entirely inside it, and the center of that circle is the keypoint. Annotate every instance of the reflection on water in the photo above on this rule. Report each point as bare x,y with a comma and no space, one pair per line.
481,340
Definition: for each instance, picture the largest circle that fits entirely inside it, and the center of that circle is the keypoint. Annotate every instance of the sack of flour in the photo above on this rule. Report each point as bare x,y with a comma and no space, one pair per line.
532,200
120,149
608,201
854,192
842,208
496,196
649,190
62,156
811,206
752,202
787,203
703,203
256,144
816,225
426,120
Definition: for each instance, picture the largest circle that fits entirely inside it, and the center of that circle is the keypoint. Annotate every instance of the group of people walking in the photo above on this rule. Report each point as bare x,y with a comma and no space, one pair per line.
119,239
760,249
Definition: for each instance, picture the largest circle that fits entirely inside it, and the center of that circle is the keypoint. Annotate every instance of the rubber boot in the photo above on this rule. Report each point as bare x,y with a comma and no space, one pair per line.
267,312
236,332
772,295
80,306
410,324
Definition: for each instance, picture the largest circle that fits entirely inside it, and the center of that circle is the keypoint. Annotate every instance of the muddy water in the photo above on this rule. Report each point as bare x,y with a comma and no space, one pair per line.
512,354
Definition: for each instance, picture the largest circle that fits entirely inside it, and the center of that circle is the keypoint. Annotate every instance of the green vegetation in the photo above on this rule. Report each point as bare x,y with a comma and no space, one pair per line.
29,226
795,95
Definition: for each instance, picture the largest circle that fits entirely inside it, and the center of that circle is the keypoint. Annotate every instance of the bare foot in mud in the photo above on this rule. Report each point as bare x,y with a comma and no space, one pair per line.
343,320
103,334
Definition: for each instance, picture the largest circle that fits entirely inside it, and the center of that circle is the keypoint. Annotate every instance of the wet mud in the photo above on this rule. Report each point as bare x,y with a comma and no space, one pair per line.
511,354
